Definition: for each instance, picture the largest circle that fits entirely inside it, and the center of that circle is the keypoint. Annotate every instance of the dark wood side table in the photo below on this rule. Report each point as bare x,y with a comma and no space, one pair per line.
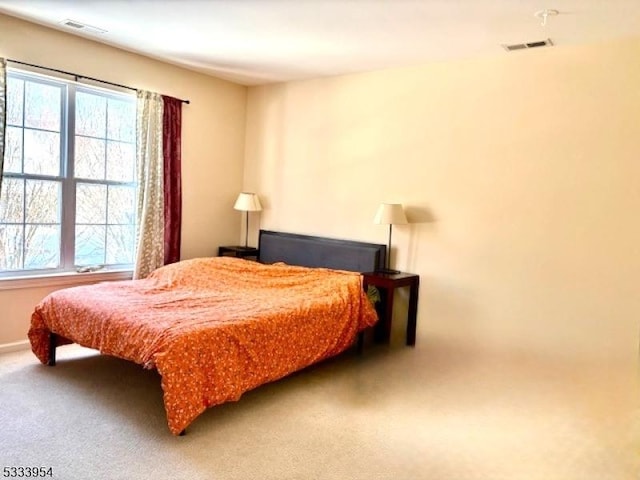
387,283
237,251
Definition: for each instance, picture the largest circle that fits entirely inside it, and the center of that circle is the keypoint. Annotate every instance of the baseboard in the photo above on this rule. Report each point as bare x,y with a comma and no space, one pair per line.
15,346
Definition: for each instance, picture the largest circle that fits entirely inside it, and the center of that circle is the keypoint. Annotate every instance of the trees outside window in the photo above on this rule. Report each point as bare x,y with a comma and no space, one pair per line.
68,186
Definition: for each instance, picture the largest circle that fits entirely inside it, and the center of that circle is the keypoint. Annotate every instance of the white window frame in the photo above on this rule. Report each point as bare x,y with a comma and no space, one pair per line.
67,272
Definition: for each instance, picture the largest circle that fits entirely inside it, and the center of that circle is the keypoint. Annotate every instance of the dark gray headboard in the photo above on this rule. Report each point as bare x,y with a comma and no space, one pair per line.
310,251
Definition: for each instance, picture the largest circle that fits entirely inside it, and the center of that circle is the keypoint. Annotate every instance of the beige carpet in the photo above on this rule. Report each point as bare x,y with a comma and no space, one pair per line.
438,411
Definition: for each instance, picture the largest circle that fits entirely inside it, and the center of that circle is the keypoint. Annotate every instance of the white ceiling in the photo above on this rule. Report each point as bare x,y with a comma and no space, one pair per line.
262,41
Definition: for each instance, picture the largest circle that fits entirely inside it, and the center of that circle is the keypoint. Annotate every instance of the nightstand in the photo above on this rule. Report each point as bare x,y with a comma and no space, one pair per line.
387,284
240,252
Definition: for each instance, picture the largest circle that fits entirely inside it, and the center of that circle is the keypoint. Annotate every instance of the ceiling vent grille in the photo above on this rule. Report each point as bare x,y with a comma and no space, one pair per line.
524,46
83,27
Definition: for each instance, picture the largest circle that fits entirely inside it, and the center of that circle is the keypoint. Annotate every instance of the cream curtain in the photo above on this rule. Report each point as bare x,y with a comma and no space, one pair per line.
150,211
3,113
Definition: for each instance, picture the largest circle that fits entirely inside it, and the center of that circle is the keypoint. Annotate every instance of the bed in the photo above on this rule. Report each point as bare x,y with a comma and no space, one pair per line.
217,327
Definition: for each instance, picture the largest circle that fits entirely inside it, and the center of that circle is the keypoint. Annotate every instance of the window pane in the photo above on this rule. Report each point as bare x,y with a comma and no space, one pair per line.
121,159
32,208
15,96
122,205
120,244
42,106
90,154
42,246
13,150
12,201
11,247
41,152
91,115
90,243
121,123
43,201
91,204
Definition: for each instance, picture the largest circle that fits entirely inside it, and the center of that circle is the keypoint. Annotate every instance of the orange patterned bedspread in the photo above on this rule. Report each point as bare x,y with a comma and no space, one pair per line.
213,327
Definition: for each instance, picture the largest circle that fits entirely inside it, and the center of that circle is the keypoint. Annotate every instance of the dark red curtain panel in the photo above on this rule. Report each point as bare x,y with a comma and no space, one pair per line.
171,139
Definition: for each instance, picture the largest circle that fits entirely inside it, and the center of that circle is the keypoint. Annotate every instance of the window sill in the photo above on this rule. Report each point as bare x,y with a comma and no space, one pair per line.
63,279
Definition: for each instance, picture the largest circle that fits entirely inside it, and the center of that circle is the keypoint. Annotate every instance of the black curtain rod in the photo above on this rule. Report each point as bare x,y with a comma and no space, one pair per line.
80,76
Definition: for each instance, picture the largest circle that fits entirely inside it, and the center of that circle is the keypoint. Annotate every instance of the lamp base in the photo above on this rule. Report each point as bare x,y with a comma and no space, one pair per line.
388,271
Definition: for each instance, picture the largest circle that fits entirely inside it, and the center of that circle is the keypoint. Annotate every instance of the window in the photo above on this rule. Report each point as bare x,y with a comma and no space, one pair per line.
68,189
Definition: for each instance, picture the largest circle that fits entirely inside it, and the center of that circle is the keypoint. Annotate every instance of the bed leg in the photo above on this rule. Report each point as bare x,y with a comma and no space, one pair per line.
360,344
52,349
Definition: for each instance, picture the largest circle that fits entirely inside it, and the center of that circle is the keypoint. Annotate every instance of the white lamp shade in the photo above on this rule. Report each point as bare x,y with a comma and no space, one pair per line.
248,202
390,214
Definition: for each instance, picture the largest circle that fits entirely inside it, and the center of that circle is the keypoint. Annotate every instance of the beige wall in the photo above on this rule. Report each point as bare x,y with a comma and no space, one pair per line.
521,173
212,142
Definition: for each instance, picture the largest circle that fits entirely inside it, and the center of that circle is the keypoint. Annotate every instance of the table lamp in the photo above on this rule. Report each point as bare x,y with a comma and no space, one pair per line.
247,202
390,214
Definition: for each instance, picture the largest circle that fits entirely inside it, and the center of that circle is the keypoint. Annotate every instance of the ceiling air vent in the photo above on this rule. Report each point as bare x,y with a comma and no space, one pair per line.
524,46
83,27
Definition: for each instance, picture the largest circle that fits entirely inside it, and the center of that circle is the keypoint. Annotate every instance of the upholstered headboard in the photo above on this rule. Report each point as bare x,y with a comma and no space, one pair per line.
311,251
